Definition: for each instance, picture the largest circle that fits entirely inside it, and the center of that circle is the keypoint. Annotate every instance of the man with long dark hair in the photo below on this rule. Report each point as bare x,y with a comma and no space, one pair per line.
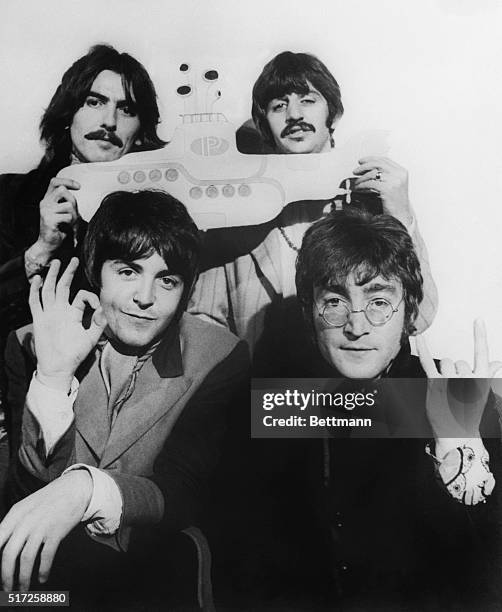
104,108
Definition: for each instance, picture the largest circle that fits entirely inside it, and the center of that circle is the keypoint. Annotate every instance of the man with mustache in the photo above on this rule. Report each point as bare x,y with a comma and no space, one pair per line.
104,107
104,136
296,106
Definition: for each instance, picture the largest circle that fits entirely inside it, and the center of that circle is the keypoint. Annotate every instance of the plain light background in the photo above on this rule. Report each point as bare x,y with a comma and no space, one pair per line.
428,70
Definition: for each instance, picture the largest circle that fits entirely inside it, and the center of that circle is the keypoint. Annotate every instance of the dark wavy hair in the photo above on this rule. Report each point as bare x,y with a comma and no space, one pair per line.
134,225
74,88
354,241
289,72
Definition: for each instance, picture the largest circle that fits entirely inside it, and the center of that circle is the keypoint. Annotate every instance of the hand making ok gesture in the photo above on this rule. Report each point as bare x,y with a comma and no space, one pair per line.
61,340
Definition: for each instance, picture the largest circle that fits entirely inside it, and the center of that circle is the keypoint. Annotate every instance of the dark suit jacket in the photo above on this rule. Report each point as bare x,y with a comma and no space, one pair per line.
20,196
365,522
167,437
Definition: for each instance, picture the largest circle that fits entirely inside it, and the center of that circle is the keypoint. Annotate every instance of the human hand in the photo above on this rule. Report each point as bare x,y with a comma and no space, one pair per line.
455,410
61,341
389,181
38,523
58,215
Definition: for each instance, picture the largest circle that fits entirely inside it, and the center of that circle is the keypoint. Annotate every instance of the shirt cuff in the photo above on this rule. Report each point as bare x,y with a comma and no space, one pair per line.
105,506
52,408
464,470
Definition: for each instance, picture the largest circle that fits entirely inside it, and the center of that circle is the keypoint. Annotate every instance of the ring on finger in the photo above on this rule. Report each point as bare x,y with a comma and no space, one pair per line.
378,175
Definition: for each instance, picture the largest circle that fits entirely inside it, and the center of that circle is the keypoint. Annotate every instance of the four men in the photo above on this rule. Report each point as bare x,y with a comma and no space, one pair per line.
126,410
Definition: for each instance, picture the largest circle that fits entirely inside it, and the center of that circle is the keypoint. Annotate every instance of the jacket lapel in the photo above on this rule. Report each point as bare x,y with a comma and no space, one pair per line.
160,385
152,398
90,408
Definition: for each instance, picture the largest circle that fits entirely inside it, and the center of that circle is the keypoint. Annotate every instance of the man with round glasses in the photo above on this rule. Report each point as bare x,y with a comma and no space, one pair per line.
353,351
378,311
359,285
384,525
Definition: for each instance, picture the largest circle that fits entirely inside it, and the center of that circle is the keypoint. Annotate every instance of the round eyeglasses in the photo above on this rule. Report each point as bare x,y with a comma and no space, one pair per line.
378,311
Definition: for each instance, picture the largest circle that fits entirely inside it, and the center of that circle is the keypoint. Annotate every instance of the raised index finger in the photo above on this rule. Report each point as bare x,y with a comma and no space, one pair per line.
481,359
425,357
49,286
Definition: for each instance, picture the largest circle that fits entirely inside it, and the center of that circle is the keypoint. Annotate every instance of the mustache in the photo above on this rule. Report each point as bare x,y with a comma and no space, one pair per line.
306,127
105,135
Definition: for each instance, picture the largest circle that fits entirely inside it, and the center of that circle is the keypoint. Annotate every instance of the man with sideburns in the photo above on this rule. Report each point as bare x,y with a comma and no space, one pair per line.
104,107
406,516
296,107
127,408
